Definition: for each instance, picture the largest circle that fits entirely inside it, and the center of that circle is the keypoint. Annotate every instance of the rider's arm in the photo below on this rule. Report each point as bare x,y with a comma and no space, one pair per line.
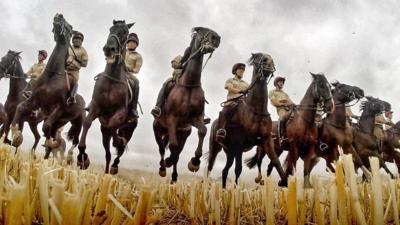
231,88
138,64
274,100
84,60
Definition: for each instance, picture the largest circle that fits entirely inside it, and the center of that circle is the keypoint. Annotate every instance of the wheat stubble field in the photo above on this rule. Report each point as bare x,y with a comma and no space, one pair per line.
37,191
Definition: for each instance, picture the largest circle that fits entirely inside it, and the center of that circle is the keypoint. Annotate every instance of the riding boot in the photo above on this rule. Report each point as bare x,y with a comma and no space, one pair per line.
221,132
135,97
71,99
162,95
282,130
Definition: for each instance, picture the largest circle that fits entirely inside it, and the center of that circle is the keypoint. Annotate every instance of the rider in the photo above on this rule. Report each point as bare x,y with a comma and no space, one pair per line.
236,87
133,63
282,102
389,122
176,64
77,58
35,72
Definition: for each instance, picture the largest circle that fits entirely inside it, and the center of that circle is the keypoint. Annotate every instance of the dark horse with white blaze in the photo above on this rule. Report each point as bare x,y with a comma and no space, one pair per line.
364,140
110,99
184,106
250,124
332,133
10,67
50,93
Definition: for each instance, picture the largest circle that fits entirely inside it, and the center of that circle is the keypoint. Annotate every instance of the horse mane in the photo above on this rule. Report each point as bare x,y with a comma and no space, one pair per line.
15,54
253,57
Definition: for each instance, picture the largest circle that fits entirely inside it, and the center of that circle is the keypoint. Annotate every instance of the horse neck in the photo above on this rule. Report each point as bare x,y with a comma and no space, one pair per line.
192,73
56,62
367,122
308,102
17,84
115,69
338,117
258,95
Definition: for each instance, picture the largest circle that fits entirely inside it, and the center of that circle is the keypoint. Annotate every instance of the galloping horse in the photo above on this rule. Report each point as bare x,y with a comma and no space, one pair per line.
110,100
184,106
10,67
391,144
250,124
364,140
301,130
49,94
332,133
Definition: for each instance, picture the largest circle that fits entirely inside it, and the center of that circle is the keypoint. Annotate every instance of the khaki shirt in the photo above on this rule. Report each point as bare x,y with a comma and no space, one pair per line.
74,63
349,113
276,96
235,83
176,64
133,62
388,123
36,70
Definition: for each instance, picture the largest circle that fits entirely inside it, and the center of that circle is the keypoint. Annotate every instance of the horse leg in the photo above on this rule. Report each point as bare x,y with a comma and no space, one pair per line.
21,111
194,163
214,149
174,175
268,147
106,144
357,159
33,127
5,130
229,162
158,134
73,134
310,161
82,158
48,126
238,165
260,156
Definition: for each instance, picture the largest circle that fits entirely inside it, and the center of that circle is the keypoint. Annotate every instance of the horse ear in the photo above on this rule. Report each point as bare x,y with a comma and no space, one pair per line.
130,25
335,83
369,98
19,52
114,22
313,75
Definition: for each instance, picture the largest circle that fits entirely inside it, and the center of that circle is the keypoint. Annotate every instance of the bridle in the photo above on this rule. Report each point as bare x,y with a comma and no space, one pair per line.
9,71
204,41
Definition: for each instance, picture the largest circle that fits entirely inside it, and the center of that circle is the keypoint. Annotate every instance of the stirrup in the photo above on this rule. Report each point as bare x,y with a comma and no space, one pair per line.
207,120
156,112
71,100
27,94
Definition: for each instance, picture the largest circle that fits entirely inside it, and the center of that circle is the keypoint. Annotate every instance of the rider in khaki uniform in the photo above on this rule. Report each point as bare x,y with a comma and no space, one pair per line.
77,58
389,122
35,72
282,102
176,64
236,87
133,63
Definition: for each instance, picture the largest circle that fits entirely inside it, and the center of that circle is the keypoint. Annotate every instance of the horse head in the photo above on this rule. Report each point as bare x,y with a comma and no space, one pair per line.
374,106
9,63
62,29
263,64
322,93
116,40
344,93
205,40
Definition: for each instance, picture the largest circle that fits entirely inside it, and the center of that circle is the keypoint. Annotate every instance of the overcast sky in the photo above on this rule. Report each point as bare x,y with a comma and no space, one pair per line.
356,42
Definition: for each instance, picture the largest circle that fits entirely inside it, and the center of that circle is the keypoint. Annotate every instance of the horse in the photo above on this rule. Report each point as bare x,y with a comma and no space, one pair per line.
391,144
364,140
110,100
333,131
184,106
50,93
10,67
250,124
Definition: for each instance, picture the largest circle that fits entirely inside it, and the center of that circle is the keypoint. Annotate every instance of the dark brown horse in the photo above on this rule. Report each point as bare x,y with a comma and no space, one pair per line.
50,92
391,145
364,140
10,67
250,123
110,100
184,106
332,133
301,130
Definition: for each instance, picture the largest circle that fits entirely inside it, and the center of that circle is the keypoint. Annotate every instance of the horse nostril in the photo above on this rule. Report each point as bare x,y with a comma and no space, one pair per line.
112,49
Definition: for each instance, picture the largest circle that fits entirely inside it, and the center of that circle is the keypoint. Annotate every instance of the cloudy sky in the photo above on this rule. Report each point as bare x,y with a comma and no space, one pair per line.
354,42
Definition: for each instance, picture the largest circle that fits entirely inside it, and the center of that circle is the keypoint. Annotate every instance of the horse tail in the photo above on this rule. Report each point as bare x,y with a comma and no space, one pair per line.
252,162
214,147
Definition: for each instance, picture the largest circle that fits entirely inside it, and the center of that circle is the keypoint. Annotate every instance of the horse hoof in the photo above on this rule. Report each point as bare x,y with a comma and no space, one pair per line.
258,179
83,162
113,170
17,140
193,168
162,172
282,183
262,182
